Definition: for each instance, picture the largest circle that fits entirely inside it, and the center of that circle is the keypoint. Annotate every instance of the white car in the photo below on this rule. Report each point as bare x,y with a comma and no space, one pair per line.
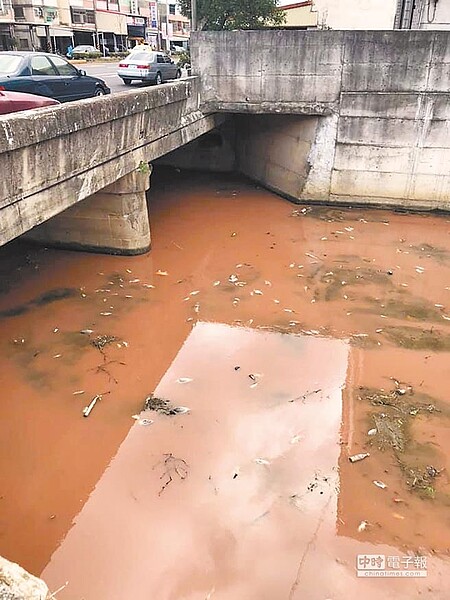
153,67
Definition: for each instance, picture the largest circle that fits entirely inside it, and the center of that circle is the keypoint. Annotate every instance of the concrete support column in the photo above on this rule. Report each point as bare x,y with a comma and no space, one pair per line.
112,221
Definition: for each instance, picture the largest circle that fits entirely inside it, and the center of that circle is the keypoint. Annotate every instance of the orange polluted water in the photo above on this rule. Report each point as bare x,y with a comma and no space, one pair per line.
336,309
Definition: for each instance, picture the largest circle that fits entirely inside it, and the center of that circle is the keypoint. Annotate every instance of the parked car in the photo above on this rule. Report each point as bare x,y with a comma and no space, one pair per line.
47,75
85,50
153,67
15,101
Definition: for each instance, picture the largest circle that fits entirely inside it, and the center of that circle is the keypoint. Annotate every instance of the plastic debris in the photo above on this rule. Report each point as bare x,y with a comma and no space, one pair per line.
184,380
55,330
358,457
233,278
380,484
134,281
78,393
257,293
87,331
216,283
162,273
106,314
262,461
148,285
87,409
194,293
372,431
57,356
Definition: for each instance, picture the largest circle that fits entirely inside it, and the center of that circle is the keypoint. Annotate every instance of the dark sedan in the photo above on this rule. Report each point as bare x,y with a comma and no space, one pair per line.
47,75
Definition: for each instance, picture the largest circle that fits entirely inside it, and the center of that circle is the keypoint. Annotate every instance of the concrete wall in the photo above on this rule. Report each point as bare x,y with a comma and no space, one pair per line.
382,101
274,149
50,159
362,14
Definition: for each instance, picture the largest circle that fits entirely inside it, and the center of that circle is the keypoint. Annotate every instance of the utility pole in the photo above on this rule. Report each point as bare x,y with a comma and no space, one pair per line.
193,15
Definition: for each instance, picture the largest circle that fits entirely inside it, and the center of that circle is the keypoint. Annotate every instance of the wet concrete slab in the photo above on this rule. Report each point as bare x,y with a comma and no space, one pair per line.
364,292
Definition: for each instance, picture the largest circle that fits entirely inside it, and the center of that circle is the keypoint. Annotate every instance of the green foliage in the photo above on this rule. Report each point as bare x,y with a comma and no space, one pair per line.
143,167
216,15
184,58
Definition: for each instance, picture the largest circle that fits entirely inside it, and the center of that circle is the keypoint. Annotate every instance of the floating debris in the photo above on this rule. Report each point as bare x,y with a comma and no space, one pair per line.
162,273
78,393
106,314
145,422
233,278
184,380
101,341
216,283
262,461
363,526
358,457
372,431
87,331
87,409
163,406
380,484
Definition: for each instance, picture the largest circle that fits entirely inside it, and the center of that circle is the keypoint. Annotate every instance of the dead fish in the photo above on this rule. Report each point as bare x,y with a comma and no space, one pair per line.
358,457
380,484
362,526
181,410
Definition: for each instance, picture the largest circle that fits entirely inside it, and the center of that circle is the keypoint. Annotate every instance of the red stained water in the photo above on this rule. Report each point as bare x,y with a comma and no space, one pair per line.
316,289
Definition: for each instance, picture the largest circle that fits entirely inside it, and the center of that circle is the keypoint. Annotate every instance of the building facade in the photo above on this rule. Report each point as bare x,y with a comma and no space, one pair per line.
53,25
368,14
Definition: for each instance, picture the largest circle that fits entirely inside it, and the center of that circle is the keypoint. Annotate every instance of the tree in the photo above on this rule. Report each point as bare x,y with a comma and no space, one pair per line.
215,15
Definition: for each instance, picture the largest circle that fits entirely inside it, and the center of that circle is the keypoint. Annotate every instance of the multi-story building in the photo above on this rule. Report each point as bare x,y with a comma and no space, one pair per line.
174,27
55,24
368,14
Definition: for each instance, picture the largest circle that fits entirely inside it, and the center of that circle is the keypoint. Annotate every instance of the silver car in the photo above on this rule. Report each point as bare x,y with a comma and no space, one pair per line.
154,67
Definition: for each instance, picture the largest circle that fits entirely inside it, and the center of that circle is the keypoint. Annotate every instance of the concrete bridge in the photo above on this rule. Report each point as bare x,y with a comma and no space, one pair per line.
326,116
89,161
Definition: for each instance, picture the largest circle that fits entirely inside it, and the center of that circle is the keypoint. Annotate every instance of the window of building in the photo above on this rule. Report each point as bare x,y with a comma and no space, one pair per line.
18,13
81,16
171,9
40,65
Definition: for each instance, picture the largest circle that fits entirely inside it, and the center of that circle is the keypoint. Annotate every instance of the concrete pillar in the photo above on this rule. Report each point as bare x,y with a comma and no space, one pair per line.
112,221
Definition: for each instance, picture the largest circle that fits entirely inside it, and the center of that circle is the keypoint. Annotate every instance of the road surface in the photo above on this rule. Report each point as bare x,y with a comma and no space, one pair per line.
107,72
